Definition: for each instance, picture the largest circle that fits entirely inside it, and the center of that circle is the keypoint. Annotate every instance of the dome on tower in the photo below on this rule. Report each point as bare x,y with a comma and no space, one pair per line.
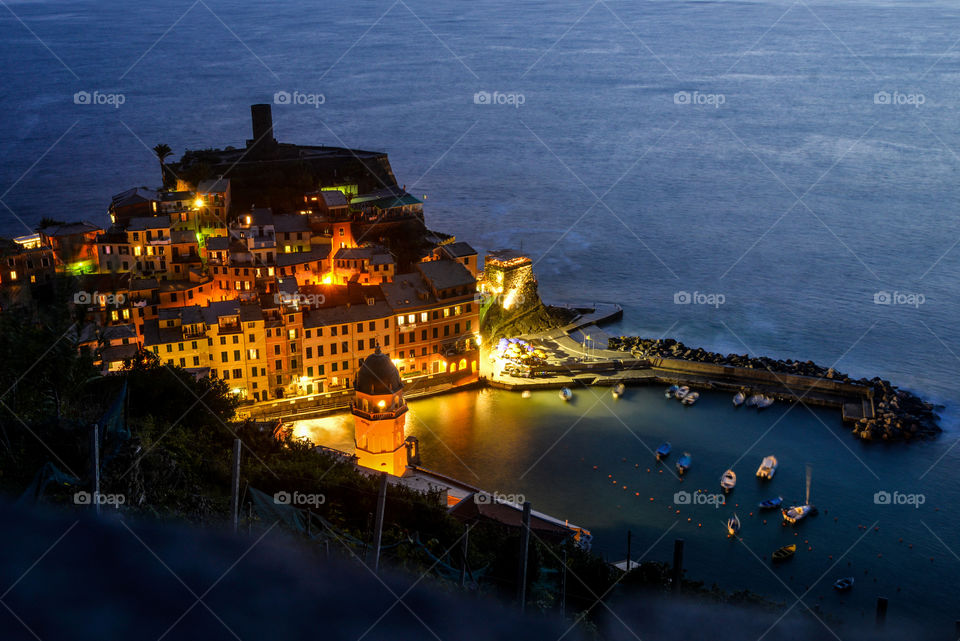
378,376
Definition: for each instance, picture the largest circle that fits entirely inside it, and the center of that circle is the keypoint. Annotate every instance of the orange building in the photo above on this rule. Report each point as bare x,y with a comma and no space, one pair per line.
380,415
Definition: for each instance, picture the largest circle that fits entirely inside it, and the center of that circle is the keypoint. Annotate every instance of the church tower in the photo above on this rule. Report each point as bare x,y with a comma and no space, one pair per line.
379,416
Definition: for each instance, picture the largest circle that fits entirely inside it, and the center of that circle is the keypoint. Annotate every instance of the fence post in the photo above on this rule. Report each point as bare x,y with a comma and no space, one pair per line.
524,547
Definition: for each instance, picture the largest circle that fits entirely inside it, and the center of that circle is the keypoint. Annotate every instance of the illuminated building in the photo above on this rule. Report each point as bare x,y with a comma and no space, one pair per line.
379,415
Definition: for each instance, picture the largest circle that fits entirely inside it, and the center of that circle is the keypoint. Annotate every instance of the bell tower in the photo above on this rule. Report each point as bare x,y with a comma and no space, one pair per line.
379,416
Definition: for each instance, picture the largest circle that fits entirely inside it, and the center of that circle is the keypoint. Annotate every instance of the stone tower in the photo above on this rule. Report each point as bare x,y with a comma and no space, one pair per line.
379,416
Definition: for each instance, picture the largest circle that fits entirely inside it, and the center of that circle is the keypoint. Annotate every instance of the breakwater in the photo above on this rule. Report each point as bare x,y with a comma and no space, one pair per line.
893,413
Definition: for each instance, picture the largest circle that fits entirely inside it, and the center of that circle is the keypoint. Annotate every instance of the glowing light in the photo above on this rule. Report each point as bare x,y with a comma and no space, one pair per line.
198,203
509,298
381,404
327,279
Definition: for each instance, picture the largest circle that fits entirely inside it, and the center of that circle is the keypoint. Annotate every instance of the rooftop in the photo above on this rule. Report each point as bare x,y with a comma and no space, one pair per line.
444,274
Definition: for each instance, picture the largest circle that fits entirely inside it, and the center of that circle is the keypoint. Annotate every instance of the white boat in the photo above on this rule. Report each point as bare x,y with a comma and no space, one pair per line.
690,398
753,400
793,514
618,390
768,467
733,525
796,513
739,398
525,394
764,401
681,392
728,481
566,394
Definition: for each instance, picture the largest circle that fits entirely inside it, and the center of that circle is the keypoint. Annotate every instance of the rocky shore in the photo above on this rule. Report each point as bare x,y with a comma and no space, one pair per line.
899,414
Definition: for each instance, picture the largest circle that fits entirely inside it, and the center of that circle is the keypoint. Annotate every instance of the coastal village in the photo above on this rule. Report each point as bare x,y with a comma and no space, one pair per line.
279,302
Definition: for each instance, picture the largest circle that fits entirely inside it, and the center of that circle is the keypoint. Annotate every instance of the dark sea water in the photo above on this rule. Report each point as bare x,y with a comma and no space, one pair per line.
799,199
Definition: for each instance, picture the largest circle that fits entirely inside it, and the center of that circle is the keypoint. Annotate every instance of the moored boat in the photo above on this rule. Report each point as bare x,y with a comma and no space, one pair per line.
770,504
728,481
683,463
739,398
764,401
733,525
690,398
784,553
796,513
671,391
525,394
618,390
566,394
663,451
768,467
792,515
681,392
844,584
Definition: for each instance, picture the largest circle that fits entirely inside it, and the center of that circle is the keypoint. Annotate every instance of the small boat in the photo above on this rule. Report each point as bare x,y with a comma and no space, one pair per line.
618,390
752,400
768,467
566,394
683,463
770,504
671,391
844,584
663,451
792,515
525,394
796,513
764,401
733,525
739,398
728,481
784,553
681,392
690,398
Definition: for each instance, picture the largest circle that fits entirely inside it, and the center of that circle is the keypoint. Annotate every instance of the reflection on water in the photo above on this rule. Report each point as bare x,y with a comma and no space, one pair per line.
591,461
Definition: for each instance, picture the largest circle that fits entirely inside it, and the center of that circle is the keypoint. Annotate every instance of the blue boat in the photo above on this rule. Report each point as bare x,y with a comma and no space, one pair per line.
683,463
771,504
663,451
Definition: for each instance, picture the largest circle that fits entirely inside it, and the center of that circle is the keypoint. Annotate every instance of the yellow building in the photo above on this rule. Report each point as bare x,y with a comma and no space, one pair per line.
380,415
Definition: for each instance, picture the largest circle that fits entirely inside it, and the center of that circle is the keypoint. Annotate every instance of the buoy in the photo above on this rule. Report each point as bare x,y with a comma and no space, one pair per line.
900,540
689,519
648,470
678,511
637,465
609,476
910,545
651,498
876,529
751,514
764,521
594,467
699,524
638,493
624,487
829,556
809,549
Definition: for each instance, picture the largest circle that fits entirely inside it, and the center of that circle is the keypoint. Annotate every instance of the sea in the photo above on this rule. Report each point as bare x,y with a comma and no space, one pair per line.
755,177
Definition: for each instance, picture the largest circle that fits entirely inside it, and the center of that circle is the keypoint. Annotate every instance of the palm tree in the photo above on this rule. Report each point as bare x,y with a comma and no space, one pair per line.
163,151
